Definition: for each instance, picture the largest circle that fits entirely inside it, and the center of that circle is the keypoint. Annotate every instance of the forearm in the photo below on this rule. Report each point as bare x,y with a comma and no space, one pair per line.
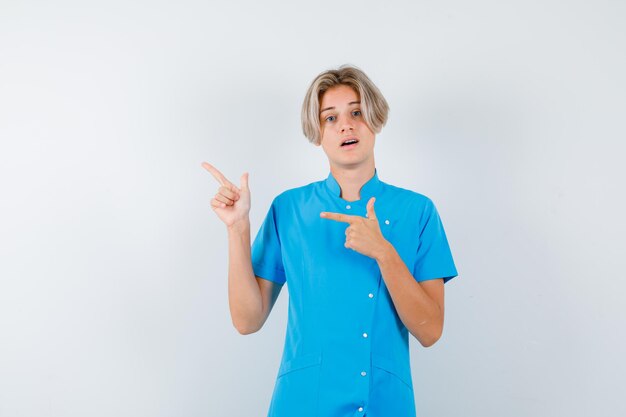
244,294
419,313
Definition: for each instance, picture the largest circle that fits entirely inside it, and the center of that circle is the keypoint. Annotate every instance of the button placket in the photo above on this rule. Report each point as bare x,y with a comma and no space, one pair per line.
364,372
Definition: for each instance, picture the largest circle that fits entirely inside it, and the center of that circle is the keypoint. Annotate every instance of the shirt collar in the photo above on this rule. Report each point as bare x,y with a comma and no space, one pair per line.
368,190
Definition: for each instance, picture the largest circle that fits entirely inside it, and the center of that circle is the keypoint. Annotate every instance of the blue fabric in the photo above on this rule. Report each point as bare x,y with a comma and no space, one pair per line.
346,349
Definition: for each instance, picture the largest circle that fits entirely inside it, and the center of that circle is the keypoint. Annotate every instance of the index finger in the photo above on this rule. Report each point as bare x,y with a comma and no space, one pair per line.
216,174
338,217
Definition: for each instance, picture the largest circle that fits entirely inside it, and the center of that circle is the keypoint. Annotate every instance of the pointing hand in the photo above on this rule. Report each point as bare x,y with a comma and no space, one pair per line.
231,204
363,235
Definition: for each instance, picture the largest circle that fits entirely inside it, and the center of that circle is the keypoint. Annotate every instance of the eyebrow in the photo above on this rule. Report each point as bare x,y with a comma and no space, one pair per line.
330,108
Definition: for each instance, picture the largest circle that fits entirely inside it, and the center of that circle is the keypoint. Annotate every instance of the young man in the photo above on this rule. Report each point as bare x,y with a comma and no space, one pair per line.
365,261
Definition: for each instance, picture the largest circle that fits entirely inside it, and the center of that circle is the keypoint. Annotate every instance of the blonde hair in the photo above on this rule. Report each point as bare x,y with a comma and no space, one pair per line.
374,106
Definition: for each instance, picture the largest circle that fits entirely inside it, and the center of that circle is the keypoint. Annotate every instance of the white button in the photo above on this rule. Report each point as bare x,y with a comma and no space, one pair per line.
364,334
360,409
363,373
370,295
348,207
386,221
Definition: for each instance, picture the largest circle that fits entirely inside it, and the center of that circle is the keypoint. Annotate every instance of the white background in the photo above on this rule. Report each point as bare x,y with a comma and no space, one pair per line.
113,280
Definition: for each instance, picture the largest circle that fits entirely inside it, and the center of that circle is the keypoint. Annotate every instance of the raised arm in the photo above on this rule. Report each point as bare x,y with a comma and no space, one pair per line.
250,298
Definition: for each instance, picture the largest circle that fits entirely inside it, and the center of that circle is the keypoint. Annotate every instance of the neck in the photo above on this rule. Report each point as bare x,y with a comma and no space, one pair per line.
351,180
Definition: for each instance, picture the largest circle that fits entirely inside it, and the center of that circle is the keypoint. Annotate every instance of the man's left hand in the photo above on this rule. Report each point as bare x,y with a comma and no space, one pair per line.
363,235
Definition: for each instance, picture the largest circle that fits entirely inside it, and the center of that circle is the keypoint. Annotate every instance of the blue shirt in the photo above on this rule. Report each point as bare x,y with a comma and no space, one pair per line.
346,349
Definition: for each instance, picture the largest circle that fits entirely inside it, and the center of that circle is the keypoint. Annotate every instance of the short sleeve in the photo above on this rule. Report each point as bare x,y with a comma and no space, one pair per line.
266,253
434,258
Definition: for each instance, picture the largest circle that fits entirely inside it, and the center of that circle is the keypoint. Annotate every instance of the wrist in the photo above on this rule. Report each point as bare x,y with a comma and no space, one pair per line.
386,252
239,226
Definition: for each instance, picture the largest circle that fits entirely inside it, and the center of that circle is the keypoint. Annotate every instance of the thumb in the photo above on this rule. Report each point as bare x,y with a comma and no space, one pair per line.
244,182
371,214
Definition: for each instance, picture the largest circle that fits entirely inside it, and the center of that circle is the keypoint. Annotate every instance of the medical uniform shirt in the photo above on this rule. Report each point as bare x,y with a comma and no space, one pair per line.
346,349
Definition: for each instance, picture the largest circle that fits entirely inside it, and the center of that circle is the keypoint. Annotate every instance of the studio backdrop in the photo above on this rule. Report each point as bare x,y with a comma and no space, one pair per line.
113,267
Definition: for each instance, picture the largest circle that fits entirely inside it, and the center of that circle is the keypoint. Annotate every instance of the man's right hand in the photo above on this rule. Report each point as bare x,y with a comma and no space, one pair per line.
231,204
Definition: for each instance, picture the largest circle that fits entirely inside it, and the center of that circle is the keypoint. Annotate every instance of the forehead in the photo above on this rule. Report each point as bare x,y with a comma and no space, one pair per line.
338,95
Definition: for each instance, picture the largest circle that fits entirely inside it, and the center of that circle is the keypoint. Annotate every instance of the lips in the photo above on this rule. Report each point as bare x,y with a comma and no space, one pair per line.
349,141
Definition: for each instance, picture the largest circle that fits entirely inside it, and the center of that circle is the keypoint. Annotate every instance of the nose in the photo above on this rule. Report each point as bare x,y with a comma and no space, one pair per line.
346,125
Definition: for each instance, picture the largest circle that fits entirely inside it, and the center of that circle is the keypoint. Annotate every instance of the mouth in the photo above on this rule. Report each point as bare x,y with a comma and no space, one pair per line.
349,143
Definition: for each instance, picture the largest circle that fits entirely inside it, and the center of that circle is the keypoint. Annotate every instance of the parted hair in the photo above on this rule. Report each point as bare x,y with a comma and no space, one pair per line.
374,107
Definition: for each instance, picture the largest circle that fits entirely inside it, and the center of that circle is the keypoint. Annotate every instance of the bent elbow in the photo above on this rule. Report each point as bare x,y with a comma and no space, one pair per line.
247,328
427,340
429,343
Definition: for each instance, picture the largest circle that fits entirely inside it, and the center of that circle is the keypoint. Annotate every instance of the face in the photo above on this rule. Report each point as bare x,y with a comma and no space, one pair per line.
341,119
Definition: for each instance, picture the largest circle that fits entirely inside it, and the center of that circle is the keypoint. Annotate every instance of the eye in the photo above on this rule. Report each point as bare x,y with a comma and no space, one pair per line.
328,119
356,113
